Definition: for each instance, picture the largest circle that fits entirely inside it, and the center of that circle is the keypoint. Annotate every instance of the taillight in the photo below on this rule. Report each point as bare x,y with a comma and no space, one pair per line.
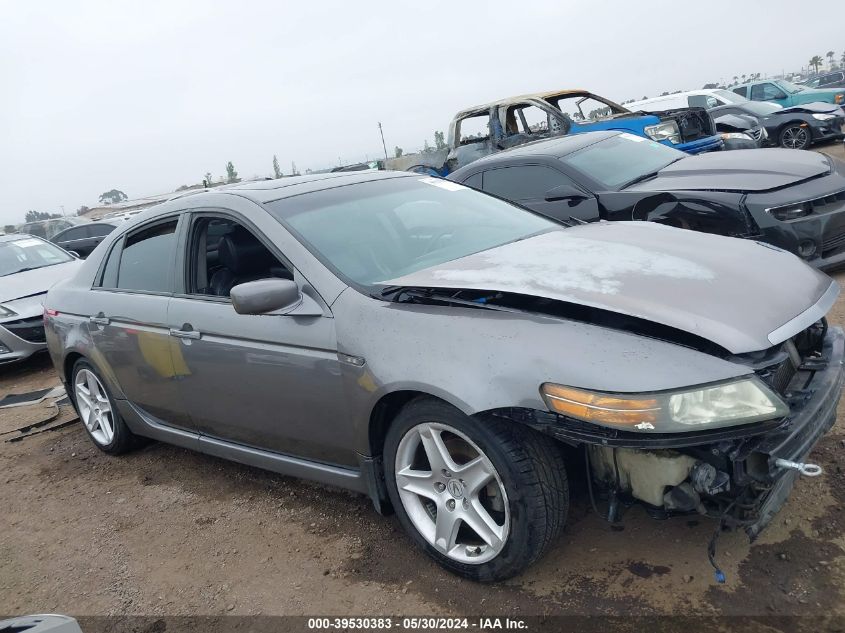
50,312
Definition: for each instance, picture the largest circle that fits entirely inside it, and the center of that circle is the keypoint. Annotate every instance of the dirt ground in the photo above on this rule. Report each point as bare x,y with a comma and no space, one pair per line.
164,531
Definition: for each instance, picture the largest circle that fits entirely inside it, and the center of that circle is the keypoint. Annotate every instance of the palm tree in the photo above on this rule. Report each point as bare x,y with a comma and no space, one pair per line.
743,77
829,56
736,79
815,62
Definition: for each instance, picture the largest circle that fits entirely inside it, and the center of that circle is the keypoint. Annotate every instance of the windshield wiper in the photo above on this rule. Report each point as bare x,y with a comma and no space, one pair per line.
21,270
640,178
649,175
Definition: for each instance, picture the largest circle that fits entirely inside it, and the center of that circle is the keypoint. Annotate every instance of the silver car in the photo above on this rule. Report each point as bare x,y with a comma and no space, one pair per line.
28,267
455,357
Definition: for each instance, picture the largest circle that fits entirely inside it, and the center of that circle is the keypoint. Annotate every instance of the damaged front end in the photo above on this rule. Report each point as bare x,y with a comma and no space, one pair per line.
691,128
740,475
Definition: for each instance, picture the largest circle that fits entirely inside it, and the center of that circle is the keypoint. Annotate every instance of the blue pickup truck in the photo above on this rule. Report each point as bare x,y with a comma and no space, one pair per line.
486,129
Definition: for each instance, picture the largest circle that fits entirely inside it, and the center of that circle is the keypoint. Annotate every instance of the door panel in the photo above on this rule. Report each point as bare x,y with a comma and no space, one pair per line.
267,381
130,333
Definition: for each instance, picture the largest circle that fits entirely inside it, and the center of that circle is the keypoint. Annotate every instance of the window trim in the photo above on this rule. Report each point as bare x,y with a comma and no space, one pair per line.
117,248
185,265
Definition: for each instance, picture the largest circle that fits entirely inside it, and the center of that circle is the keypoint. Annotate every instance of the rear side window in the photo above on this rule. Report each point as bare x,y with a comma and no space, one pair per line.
523,182
474,181
78,233
99,230
147,259
742,90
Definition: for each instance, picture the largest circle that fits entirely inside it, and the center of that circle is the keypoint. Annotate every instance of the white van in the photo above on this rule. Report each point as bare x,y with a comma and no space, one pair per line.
704,98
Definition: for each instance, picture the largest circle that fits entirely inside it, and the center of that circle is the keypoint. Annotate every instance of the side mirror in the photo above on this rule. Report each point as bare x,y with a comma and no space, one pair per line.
265,295
564,192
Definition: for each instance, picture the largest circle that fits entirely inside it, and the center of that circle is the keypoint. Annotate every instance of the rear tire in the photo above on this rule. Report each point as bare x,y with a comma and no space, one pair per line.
793,136
99,416
503,478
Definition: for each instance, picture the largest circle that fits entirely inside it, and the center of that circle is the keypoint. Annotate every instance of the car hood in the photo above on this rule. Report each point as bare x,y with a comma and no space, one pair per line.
740,294
814,107
750,170
35,282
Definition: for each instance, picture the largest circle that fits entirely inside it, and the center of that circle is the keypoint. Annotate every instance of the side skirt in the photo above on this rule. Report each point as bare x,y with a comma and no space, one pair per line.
351,479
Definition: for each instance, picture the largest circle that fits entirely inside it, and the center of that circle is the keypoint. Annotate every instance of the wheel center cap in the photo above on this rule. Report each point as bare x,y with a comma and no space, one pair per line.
455,488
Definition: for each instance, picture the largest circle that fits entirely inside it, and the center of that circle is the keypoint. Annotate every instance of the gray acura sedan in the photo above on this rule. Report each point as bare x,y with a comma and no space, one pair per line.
452,356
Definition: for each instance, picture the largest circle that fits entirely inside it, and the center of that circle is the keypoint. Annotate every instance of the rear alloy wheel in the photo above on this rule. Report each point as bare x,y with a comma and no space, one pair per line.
483,496
795,137
102,421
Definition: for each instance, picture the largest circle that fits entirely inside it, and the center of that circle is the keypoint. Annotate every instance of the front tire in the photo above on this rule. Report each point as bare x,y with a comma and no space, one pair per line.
97,412
484,497
793,136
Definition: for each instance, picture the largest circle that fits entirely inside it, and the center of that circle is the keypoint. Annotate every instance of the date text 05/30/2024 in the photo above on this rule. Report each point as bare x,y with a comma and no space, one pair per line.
416,623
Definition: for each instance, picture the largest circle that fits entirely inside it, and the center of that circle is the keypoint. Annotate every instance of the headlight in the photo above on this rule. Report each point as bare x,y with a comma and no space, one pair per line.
739,135
6,312
791,211
728,404
667,131
824,117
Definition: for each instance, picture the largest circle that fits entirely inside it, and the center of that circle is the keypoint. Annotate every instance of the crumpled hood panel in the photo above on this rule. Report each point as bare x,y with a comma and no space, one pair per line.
749,170
36,281
730,291
816,107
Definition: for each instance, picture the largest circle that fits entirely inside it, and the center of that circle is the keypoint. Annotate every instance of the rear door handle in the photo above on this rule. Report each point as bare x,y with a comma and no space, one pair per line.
186,331
100,319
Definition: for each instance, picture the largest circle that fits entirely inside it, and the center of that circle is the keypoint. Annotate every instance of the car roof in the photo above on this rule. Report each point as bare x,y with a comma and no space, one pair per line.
520,98
552,148
263,191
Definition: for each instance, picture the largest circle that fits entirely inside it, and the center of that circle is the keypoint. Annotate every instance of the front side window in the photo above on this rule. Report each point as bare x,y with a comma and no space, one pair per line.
376,231
147,258
523,182
616,161
766,92
100,230
29,253
581,107
741,91
224,253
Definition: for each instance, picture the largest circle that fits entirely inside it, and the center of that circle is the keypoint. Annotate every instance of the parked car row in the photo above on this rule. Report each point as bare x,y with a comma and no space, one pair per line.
457,357
793,126
789,199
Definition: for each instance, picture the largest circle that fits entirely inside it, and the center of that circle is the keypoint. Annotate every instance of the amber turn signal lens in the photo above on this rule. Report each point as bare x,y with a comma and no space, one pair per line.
594,407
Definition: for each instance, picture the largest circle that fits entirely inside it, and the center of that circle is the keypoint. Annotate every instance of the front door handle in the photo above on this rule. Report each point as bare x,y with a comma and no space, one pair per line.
100,319
187,331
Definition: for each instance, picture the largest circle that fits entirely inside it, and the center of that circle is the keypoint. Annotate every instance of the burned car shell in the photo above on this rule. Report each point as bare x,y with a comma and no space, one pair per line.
725,193
637,307
506,129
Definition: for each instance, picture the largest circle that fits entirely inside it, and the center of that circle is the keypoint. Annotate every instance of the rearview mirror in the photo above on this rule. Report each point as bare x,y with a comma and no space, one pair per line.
564,192
265,295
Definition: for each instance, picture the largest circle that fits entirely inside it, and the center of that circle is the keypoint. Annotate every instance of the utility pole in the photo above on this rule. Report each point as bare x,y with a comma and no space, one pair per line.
382,140
63,209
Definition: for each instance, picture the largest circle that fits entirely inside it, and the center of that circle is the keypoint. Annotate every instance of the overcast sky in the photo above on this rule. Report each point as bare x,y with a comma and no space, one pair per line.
147,96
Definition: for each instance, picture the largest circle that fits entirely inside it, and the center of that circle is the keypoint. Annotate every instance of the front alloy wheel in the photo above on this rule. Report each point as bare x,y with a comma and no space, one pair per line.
483,495
452,493
795,137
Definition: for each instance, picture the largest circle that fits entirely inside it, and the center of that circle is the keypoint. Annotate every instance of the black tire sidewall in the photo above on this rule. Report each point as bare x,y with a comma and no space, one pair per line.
518,550
123,437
